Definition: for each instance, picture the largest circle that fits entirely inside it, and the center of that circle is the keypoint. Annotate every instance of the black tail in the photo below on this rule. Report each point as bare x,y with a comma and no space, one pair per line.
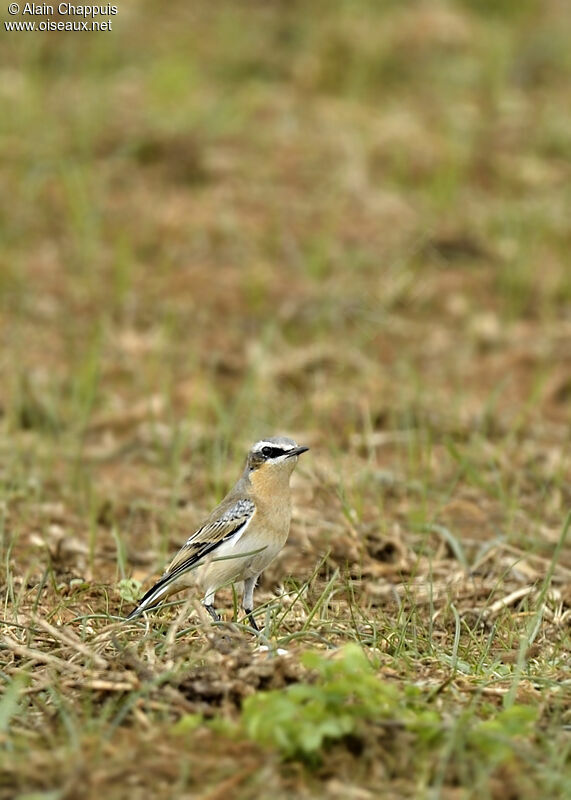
152,598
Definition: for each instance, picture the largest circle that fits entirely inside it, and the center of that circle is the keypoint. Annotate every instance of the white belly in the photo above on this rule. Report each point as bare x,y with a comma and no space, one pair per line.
231,563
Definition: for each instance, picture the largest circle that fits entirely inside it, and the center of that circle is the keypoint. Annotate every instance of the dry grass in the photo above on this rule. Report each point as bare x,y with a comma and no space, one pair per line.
244,219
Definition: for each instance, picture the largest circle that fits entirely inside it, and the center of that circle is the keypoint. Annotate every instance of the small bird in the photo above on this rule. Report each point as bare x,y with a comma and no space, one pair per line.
241,536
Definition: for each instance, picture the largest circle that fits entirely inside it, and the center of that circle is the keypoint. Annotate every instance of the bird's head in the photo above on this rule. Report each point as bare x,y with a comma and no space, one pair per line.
274,456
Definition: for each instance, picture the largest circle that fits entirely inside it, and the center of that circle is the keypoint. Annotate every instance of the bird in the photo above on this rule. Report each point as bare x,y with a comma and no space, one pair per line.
243,534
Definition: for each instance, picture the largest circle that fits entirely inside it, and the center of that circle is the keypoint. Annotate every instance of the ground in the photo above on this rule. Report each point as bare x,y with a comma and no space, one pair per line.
348,223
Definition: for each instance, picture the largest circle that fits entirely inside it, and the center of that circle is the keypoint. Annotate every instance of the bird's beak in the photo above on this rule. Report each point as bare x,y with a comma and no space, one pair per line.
297,451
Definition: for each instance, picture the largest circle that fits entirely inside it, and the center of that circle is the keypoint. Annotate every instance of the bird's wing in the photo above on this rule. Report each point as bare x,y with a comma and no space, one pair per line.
219,528
227,522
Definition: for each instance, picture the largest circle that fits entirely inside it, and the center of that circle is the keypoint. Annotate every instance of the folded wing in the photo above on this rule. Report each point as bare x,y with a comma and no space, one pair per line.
224,525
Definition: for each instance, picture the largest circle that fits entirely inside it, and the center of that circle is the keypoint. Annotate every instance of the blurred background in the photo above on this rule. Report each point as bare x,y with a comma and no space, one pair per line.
349,221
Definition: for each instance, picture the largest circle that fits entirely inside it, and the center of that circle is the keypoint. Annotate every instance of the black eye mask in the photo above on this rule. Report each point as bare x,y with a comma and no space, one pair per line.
272,452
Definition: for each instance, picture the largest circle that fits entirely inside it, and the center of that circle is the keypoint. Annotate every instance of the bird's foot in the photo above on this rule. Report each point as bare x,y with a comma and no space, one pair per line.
250,615
213,613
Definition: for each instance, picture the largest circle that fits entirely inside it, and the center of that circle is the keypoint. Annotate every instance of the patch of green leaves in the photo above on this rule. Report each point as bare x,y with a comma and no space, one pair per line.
302,719
496,739
346,697
129,589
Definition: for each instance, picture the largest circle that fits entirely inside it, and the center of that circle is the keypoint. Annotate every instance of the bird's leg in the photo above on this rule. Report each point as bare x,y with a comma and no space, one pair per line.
251,619
248,601
213,613
208,603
